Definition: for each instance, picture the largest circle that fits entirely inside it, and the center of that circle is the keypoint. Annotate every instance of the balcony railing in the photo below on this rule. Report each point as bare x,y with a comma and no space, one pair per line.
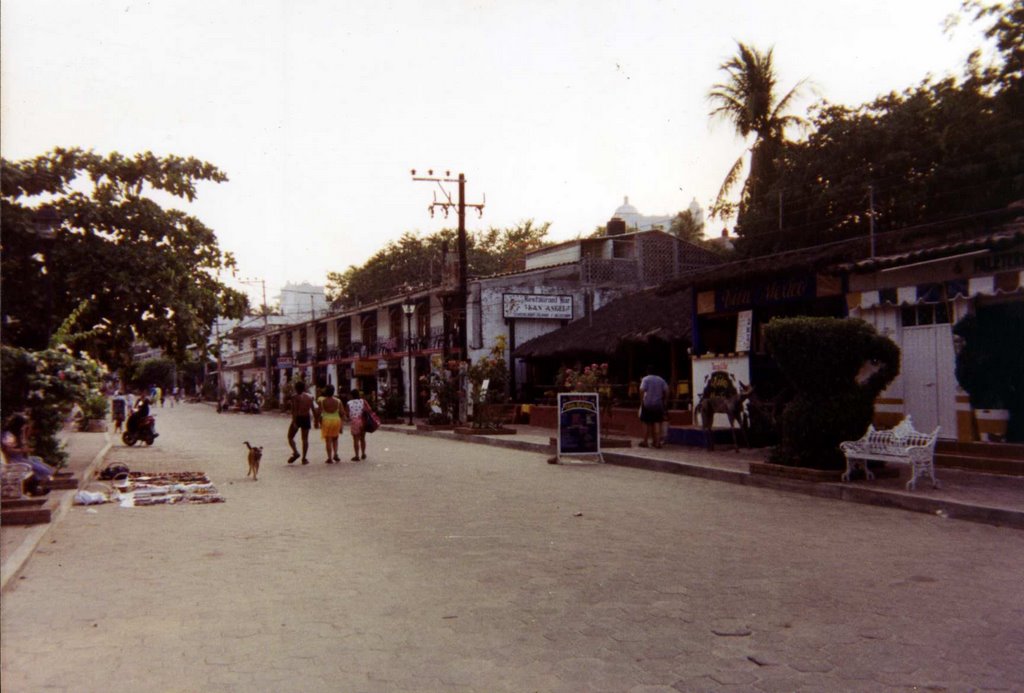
382,348
246,357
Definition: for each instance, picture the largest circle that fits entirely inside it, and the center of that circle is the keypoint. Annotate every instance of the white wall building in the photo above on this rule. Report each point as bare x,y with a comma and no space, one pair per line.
586,273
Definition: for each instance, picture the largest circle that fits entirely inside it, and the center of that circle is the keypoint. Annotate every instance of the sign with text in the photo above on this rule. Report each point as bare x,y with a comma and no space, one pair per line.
744,324
537,306
579,423
366,367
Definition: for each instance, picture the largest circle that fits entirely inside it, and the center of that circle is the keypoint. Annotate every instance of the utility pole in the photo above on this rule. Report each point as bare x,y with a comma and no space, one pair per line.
266,336
460,206
871,217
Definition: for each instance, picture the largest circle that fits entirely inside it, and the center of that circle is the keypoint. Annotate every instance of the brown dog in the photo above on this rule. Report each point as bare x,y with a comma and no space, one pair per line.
255,454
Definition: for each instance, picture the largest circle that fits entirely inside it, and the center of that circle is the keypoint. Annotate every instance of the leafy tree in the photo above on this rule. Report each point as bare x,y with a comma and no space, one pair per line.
951,148
145,374
148,272
418,261
748,99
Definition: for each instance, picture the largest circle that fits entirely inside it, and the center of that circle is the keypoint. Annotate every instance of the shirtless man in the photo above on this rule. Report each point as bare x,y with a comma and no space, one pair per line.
302,418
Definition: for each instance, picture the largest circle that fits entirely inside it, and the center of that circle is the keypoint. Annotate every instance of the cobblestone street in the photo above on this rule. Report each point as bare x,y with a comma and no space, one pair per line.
436,565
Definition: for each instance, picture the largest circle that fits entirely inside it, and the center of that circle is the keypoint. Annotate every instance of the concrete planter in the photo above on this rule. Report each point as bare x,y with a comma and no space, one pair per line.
434,427
992,424
796,473
470,431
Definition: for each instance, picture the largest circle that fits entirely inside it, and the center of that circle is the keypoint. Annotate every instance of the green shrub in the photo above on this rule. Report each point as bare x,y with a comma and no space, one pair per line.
990,362
95,406
46,385
823,359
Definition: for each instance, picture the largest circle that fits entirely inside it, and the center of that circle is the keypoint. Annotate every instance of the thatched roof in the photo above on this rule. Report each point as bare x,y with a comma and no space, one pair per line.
637,318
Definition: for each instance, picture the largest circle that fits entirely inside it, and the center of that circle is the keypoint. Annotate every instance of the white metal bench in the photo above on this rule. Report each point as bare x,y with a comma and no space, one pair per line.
902,443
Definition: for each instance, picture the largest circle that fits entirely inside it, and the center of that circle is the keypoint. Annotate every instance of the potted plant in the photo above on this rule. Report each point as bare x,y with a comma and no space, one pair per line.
990,368
94,414
488,379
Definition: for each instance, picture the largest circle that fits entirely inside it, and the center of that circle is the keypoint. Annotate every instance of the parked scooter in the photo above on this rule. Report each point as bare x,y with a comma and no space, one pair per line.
251,405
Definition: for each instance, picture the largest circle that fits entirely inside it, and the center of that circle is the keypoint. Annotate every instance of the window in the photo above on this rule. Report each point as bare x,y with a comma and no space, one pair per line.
924,314
344,332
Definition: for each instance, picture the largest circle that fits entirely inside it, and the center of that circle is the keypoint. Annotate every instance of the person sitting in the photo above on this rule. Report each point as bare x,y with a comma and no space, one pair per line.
15,442
139,415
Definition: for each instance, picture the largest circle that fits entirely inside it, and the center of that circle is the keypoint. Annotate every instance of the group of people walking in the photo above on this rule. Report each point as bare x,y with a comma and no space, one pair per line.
329,413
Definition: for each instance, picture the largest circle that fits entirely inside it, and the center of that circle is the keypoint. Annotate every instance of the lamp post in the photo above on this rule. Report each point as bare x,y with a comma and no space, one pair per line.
409,308
45,223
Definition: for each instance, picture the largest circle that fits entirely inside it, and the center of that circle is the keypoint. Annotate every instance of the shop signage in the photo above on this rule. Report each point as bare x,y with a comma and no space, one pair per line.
365,367
579,423
537,306
744,324
777,291
285,362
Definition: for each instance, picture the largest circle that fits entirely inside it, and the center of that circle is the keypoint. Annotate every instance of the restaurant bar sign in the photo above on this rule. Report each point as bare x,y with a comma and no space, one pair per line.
537,306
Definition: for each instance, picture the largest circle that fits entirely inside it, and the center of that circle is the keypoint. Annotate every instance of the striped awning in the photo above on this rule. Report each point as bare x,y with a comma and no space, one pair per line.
939,292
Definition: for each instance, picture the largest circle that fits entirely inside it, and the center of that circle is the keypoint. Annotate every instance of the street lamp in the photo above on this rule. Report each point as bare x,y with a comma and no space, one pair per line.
45,222
409,308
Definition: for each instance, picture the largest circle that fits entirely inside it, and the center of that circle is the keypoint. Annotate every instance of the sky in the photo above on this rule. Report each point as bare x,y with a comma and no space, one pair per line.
317,110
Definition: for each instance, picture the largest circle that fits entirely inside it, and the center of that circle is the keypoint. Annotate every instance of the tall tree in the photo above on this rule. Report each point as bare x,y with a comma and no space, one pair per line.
951,148
417,260
141,270
749,101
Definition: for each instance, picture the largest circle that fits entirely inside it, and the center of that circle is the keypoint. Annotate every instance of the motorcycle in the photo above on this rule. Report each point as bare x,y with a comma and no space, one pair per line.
136,431
251,405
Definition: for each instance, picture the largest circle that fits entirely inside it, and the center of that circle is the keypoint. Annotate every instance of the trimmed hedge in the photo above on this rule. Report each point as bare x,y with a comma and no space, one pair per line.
821,359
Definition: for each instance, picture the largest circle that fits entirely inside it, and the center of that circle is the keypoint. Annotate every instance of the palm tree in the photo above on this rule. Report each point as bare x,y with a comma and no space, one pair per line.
747,99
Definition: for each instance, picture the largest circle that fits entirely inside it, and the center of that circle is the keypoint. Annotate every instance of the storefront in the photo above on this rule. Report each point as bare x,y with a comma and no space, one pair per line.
917,299
730,315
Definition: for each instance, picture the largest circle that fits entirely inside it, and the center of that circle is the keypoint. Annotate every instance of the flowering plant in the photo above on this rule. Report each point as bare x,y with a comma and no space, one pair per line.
443,383
493,369
47,384
591,379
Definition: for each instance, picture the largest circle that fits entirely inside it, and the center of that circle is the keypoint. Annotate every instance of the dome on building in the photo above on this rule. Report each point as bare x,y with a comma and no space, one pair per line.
696,212
628,213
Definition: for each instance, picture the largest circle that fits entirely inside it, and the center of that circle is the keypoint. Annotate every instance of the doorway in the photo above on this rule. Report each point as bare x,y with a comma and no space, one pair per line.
929,379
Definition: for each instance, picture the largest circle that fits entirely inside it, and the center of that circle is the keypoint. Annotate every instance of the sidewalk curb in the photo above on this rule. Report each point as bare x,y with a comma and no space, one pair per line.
1003,517
19,557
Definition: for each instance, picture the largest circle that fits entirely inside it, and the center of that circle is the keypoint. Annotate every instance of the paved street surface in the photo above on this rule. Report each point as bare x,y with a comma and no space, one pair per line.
445,566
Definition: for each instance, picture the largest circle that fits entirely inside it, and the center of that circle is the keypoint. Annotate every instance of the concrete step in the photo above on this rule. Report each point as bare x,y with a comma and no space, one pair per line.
27,515
987,458
1008,451
63,482
696,437
984,465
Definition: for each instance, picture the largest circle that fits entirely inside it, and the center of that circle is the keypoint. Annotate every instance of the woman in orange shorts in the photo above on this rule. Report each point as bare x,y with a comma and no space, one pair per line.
329,414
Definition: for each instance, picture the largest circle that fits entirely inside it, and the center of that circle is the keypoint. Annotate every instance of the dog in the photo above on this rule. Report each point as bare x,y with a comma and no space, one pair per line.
255,454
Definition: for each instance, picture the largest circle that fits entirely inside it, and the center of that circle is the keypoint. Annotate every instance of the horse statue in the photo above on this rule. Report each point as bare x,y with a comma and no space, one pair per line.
724,398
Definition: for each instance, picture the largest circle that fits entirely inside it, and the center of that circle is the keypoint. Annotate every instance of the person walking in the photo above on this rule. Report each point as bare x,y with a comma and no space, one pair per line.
356,406
302,419
118,410
653,397
329,416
